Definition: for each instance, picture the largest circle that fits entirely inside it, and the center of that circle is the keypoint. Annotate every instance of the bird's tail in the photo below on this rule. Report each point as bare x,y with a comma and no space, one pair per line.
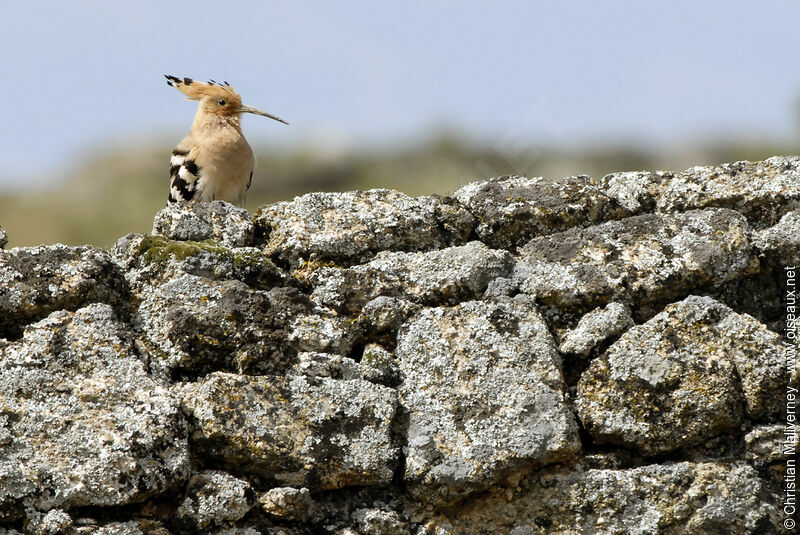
196,90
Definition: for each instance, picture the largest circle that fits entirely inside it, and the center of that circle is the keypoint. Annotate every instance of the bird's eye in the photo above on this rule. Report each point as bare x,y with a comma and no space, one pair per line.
221,102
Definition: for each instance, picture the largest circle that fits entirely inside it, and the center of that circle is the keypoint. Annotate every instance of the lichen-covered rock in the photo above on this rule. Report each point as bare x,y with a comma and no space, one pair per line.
200,221
761,191
287,503
135,527
501,287
81,422
757,353
296,430
149,261
193,325
215,498
444,276
636,191
384,314
53,522
379,522
35,281
484,394
254,531
767,444
3,238
684,376
781,242
326,365
323,331
368,362
647,258
595,328
351,227
377,365
667,499
511,209
455,222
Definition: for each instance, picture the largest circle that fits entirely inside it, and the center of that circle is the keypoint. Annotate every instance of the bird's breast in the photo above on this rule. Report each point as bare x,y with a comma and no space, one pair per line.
225,170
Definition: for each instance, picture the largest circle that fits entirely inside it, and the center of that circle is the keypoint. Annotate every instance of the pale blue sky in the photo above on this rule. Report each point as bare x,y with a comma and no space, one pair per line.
77,74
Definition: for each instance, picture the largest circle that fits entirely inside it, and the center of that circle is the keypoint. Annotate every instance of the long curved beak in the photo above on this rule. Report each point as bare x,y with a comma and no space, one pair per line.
248,109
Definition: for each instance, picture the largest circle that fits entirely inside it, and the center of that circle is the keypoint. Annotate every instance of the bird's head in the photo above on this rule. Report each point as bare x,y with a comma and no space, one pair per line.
215,98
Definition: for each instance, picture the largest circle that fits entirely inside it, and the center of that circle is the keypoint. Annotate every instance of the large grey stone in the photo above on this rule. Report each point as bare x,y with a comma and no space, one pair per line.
81,421
759,356
253,531
287,503
133,527
511,209
637,191
53,522
352,226
192,325
665,499
769,444
379,522
149,261
595,328
215,498
688,374
643,258
761,191
445,276
297,430
377,365
323,331
384,314
781,243
35,281
200,221
484,394
326,365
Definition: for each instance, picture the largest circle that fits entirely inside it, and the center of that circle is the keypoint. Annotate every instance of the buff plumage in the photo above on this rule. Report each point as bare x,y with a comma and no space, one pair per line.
214,161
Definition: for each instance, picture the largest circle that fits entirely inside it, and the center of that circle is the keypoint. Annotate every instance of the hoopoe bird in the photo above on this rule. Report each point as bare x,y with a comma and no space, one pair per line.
214,161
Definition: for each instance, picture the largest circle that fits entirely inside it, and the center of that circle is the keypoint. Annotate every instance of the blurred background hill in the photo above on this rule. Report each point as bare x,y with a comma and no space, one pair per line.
418,96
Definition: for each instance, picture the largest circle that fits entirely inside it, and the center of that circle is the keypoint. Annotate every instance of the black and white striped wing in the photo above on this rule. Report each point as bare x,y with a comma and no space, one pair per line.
184,175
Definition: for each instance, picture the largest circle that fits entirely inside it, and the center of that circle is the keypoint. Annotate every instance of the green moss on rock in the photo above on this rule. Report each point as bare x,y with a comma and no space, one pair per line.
157,249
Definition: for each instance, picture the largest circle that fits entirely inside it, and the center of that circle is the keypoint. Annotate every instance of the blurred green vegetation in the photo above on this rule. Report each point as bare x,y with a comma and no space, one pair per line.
111,194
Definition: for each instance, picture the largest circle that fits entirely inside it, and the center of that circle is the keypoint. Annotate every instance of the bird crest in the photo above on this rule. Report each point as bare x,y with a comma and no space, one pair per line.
196,90
216,99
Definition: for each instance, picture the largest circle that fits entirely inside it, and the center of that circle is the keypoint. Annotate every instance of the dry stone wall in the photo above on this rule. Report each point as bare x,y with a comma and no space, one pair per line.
528,356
